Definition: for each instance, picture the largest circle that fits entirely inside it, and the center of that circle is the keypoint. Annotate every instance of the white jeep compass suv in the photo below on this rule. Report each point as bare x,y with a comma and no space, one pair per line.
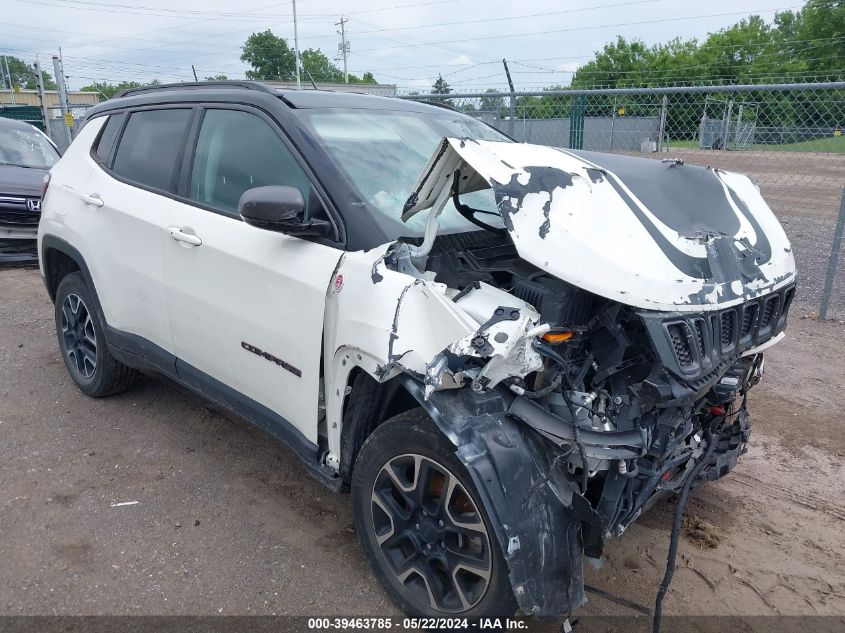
506,351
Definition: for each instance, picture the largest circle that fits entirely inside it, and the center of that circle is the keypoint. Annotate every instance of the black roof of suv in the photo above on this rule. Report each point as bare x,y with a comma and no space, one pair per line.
252,91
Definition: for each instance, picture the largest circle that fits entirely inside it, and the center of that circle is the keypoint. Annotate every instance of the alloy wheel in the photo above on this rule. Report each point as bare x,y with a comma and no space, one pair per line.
79,336
431,533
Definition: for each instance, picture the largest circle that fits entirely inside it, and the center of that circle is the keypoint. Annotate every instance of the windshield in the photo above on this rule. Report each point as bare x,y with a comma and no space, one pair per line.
25,148
383,152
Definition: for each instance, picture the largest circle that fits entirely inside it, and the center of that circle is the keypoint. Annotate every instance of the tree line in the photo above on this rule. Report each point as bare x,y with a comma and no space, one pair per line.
797,46
270,58
808,44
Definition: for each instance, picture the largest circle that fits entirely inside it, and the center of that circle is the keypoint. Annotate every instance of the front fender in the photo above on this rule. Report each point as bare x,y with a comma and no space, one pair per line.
511,468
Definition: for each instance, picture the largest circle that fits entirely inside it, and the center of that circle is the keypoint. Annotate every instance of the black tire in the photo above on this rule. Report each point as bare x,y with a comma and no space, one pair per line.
82,341
427,536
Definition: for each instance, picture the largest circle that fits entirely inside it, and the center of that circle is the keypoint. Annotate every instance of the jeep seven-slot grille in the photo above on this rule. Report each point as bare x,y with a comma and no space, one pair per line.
727,328
748,317
680,344
699,343
768,311
699,335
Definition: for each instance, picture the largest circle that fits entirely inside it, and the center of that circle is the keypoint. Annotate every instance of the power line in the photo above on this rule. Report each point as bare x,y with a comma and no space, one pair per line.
378,30
509,18
580,28
446,44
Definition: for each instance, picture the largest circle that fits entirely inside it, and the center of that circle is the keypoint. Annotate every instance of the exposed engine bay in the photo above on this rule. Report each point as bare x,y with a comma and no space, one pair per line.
627,392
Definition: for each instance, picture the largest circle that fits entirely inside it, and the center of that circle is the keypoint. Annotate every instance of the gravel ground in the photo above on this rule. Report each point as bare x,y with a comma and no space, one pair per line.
811,237
228,522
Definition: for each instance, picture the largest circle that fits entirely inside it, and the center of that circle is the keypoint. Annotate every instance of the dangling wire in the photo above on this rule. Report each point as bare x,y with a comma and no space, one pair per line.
676,527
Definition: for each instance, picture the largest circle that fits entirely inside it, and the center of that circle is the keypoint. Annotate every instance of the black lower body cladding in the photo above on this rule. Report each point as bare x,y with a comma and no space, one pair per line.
512,468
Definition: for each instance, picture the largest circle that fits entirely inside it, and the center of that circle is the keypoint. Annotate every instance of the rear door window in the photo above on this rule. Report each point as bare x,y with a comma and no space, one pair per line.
237,151
150,147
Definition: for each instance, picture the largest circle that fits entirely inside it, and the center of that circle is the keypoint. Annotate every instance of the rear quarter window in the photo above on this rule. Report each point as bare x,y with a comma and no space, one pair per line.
150,146
103,145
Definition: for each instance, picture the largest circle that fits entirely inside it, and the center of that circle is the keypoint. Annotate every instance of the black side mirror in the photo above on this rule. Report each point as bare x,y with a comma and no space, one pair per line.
279,208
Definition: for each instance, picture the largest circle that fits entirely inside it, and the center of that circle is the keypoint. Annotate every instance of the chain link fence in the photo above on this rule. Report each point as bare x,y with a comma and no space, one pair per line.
63,129
59,128
790,138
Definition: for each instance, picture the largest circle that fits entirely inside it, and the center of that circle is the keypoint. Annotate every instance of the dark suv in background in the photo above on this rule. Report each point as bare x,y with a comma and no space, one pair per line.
26,155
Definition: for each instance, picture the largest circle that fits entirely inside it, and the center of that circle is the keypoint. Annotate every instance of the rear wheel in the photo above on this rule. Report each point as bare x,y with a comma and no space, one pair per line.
82,341
420,521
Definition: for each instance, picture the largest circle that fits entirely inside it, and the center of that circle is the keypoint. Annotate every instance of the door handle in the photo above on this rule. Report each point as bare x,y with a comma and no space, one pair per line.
180,236
92,199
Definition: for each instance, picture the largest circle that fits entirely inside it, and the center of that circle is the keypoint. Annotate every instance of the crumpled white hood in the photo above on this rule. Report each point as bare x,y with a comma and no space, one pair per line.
651,234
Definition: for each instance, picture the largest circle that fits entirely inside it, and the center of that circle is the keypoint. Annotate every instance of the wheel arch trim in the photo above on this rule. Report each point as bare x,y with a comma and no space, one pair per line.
539,536
51,242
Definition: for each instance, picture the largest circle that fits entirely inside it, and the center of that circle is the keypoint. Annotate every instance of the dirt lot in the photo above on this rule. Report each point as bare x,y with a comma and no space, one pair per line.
229,522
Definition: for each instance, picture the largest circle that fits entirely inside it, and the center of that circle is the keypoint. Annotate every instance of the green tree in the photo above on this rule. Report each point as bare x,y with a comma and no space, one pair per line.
108,90
491,104
797,45
366,78
618,63
314,61
270,57
217,78
738,54
440,86
24,76
821,31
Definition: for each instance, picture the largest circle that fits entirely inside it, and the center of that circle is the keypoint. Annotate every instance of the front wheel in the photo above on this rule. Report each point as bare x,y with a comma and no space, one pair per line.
422,526
83,343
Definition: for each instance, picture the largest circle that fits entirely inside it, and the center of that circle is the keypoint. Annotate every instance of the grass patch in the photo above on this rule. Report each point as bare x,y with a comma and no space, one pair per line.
830,145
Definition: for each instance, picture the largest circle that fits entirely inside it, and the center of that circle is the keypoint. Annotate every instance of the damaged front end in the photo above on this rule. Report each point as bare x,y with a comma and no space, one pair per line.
594,352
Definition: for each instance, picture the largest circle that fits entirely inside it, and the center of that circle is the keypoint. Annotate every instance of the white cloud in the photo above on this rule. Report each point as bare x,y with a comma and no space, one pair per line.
568,67
461,60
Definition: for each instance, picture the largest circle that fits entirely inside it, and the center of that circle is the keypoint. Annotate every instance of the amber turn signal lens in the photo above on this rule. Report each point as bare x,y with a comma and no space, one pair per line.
557,337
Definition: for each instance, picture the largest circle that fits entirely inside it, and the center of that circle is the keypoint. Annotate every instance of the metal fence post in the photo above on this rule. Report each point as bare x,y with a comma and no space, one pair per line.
576,123
664,108
834,259
612,123
512,114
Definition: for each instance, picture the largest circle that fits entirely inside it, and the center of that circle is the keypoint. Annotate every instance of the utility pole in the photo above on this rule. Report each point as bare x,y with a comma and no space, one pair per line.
42,95
60,84
195,72
296,47
64,77
344,47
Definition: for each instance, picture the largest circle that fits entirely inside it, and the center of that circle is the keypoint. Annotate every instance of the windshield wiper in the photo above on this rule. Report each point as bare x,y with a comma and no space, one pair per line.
468,212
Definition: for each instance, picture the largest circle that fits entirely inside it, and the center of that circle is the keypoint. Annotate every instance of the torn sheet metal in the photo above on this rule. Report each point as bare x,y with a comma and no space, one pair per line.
651,234
421,327
488,324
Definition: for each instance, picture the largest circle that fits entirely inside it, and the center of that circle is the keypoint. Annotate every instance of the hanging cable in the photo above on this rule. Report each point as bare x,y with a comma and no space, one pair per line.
676,527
